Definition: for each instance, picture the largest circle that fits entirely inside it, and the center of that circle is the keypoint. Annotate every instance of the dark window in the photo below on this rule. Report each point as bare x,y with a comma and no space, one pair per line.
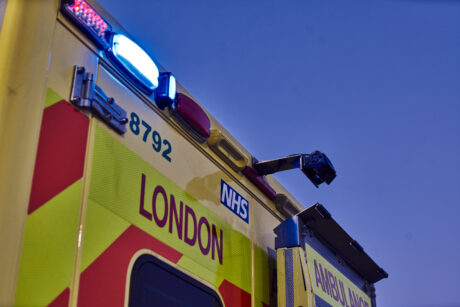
155,283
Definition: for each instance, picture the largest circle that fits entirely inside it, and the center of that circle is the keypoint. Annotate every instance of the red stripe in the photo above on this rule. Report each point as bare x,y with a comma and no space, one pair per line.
103,282
61,152
233,296
62,300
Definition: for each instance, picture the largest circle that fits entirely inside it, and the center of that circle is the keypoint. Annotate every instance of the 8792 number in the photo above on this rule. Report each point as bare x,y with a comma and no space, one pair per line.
136,124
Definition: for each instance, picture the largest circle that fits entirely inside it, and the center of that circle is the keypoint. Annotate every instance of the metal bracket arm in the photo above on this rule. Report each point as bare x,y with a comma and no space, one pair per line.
277,165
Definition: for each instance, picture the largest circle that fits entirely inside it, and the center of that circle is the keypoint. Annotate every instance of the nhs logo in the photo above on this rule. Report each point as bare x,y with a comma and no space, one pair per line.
234,201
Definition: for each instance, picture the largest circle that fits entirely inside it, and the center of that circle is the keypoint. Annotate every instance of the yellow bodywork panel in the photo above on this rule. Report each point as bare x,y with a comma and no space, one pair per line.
49,246
66,235
25,38
294,280
331,285
102,227
264,276
116,183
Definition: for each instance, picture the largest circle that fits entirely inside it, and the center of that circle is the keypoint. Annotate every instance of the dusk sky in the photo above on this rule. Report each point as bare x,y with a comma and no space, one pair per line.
375,84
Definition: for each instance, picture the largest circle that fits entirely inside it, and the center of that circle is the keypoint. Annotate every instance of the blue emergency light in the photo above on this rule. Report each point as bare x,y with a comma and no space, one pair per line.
165,93
128,56
134,61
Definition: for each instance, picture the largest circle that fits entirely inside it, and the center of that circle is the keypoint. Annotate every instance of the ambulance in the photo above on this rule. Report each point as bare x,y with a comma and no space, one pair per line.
117,188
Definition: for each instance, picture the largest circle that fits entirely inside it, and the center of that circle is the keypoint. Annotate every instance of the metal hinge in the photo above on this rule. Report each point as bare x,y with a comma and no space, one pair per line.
87,95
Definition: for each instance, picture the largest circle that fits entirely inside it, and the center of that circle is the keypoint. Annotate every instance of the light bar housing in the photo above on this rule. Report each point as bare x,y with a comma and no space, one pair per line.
88,20
134,62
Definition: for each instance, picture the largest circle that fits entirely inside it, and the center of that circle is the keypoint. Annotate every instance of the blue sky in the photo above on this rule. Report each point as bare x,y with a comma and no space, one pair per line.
372,83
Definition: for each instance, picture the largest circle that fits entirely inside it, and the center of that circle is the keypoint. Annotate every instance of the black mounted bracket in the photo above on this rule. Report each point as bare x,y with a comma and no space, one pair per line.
316,166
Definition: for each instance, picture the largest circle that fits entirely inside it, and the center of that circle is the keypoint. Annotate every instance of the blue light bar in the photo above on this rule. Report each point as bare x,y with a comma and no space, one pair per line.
135,62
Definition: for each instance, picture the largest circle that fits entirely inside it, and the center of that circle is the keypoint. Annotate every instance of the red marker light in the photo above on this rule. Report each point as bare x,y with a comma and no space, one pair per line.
88,19
193,115
251,174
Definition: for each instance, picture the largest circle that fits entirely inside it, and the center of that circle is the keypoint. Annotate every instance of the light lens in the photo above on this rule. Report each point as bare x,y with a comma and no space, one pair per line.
165,93
193,115
172,87
135,61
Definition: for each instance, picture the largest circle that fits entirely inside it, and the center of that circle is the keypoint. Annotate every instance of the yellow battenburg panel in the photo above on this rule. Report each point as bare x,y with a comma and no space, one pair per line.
96,241
119,177
50,233
48,249
51,97
331,285
265,270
